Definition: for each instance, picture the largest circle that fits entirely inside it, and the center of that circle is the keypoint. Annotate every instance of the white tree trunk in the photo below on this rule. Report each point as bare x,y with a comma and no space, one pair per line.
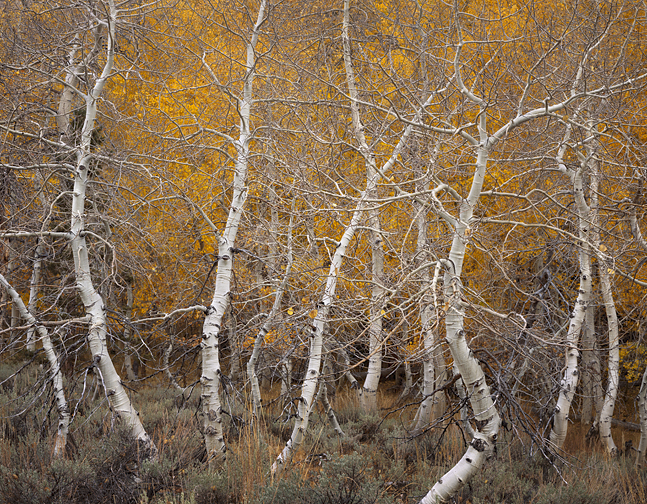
267,326
604,273
92,300
211,372
55,369
613,368
429,320
306,401
486,416
642,411
368,393
568,385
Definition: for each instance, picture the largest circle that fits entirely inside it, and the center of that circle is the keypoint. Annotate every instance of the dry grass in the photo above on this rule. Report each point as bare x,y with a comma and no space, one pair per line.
377,463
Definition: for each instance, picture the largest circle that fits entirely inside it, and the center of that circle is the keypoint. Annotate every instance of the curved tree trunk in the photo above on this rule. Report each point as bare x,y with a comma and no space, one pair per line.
568,384
92,300
211,371
604,274
55,369
485,413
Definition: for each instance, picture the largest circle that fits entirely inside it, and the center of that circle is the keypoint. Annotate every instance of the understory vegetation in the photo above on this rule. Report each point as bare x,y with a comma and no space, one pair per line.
377,461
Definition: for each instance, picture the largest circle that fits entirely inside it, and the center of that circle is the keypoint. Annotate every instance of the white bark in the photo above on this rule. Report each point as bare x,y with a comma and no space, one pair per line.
368,393
306,401
642,411
568,384
486,417
92,300
429,320
606,414
373,171
267,327
211,372
485,414
54,365
604,273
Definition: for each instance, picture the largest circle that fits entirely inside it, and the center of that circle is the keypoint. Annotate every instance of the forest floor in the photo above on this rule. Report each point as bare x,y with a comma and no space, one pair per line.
376,462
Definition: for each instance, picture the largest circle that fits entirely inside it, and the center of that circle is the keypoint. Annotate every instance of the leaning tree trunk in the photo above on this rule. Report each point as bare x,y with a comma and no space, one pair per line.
92,300
55,369
485,413
306,401
211,371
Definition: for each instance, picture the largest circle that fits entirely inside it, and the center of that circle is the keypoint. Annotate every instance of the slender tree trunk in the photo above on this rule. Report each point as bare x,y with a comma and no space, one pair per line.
211,371
267,326
368,393
568,384
311,379
55,369
486,416
92,300
430,403
604,274
642,411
